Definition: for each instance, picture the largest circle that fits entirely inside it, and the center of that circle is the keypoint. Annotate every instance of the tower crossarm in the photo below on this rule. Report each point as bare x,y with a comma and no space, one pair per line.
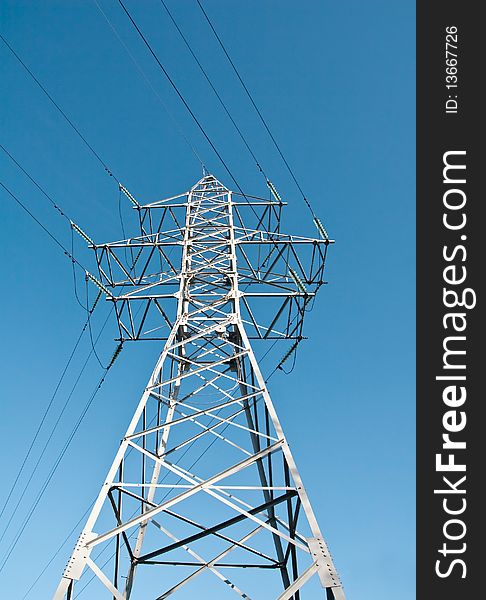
144,278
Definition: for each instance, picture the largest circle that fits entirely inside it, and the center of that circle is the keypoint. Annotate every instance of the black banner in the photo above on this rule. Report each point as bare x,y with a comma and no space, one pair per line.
449,297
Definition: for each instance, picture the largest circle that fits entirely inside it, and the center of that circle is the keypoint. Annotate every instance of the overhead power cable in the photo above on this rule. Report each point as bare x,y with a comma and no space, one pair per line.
178,92
86,324
213,87
42,226
150,85
75,280
73,226
37,185
52,432
258,111
59,109
198,123
54,468
88,314
43,418
50,561
62,213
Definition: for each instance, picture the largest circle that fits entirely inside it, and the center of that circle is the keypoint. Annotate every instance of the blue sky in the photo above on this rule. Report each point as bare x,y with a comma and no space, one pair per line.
336,83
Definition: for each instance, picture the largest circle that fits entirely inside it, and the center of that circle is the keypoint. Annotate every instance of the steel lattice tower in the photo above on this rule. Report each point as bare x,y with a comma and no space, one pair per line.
209,272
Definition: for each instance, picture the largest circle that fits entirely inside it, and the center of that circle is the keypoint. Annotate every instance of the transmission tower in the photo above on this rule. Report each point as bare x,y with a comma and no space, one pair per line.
203,493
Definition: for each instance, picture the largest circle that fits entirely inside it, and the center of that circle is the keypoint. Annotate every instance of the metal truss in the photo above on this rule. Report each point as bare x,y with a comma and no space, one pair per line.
204,483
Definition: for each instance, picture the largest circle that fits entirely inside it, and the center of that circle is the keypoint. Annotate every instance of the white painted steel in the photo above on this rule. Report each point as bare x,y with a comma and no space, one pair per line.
206,387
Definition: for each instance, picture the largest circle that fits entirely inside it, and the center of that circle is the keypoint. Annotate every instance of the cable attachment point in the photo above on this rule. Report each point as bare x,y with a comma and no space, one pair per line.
298,281
274,192
97,299
288,354
115,355
98,284
321,228
80,232
128,195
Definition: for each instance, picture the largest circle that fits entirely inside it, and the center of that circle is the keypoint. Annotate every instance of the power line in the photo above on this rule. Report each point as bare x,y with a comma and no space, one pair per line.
88,312
61,212
150,85
87,323
48,564
44,416
55,466
174,86
42,226
176,89
75,281
37,185
262,119
51,474
60,110
217,94
53,430
122,223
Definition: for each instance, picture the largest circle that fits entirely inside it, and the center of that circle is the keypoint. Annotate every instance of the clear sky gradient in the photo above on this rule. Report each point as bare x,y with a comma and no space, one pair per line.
335,81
